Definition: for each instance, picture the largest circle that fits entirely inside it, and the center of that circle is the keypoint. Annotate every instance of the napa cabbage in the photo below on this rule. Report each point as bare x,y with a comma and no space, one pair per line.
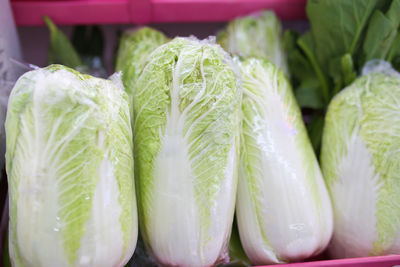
70,170
186,108
283,209
360,160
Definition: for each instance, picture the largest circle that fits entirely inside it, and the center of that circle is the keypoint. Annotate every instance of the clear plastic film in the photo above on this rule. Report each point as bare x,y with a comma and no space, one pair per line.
9,48
360,160
283,208
379,66
69,163
186,107
5,89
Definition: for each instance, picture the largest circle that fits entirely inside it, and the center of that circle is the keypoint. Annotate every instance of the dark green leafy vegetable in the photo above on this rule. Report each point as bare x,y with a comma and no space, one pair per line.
237,255
84,53
344,35
61,50
308,93
6,258
395,50
337,26
88,40
315,128
382,31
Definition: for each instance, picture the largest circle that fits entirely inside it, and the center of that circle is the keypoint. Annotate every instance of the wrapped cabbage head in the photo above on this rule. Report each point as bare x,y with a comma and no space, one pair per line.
283,208
186,107
70,171
360,159
134,49
259,36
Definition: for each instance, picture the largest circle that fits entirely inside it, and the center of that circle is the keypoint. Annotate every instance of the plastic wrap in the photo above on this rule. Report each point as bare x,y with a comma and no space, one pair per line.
283,208
5,89
258,35
186,107
9,48
69,162
360,160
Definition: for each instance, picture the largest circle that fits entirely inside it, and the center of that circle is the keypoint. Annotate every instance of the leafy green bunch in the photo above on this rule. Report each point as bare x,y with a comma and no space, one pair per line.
343,36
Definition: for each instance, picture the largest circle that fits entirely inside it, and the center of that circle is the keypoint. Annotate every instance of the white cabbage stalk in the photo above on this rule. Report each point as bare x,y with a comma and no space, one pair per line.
257,35
70,171
186,107
283,208
360,160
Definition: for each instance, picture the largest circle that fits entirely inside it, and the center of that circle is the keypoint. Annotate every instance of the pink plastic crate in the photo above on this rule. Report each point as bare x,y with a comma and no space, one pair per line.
30,12
379,261
222,10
